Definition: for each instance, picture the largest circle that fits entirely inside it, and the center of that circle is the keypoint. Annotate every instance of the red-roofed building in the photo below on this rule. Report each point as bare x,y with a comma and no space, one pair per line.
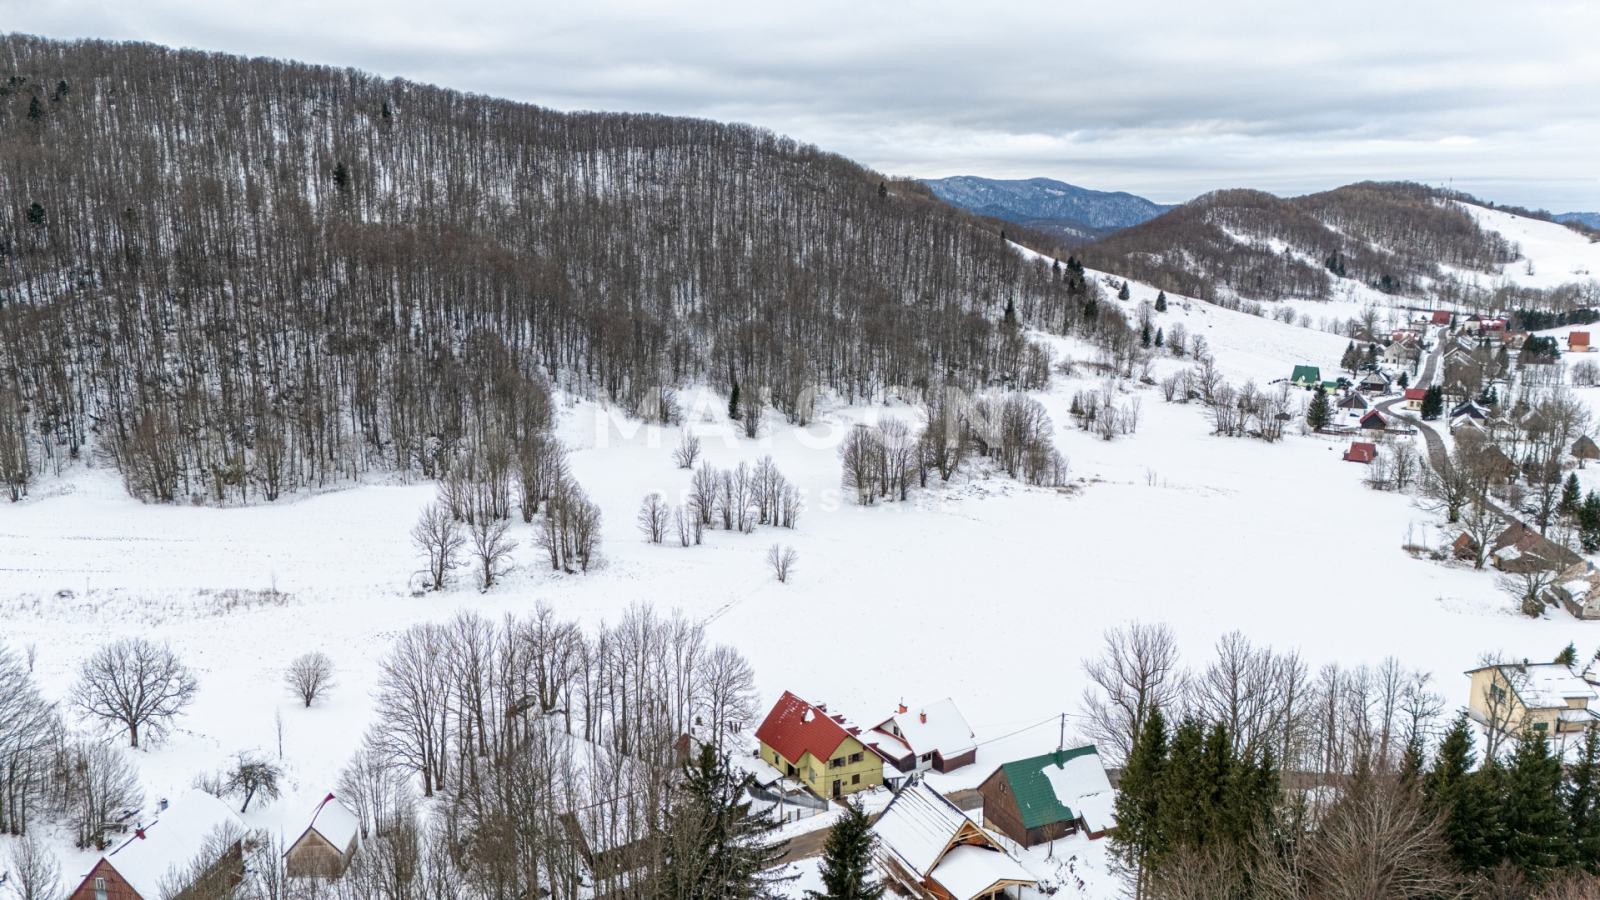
820,751
1578,342
1414,398
1441,317
1361,452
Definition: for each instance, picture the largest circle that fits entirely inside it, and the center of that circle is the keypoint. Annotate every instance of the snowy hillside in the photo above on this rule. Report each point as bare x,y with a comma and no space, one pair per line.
1551,254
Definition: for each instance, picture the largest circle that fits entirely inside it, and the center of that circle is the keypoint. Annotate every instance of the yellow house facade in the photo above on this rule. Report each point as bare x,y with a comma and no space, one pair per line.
803,742
1544,697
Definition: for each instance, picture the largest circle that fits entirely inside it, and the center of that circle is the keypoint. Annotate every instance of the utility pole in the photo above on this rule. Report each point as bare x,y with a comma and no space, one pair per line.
1061,742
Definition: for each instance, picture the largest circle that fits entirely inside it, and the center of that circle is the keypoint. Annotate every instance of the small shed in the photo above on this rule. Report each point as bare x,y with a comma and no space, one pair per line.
1375,382
1440,317
330,841
1374,421
1361,452
1578,342
1354,401
1050,796
1584,449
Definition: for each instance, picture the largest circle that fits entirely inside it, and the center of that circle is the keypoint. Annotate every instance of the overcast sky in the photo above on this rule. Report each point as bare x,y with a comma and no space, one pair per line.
1164,99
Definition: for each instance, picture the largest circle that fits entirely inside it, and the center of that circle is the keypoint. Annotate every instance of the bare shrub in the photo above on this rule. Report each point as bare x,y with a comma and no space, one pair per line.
309,676
782,561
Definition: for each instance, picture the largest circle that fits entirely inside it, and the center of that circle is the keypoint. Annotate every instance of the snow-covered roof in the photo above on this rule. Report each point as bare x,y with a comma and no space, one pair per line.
917,826
169,846
937,726
1546,685
968,871
1081,784
335,822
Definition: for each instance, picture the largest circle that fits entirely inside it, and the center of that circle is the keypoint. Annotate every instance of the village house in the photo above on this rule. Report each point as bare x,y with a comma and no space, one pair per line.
1375,382
1469,413
1306,376
1361,452
1354,402
1374,422
1577,590
1584,449
1578,342
803,742
1046,797
1440,317
1414,397
325,848
1519,549
196,838
934,736
1514,340
1547,697
928,848
1402,352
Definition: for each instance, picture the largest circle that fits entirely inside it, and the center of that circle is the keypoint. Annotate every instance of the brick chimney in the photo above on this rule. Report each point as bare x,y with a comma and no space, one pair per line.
922,717
902,709
139,833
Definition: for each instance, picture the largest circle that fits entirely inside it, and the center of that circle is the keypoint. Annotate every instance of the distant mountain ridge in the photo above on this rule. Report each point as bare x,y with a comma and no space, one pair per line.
1591,219
1060,209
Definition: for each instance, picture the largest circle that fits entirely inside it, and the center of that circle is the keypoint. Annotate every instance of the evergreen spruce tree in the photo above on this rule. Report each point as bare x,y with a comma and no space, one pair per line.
1571,496
715,848
1011,311
733,401
1405,380
341,177
1123,294
1161,339
1583,803
1136,840
1319,412
847,859
1144,335
1161,301
1411,762
1568,655
1476,828
36,215
35,109
1433,403
1537,825
1589,523
1351,359
1184,797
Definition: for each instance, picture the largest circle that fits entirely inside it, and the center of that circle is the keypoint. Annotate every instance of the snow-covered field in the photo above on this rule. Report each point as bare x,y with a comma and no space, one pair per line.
983,590
1552,254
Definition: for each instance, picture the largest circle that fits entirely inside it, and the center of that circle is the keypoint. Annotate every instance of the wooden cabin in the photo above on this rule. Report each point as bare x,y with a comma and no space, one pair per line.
330,841
194,845
928,848
1046,797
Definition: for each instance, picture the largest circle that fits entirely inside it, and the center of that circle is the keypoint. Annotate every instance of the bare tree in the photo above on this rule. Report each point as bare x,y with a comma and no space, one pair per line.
653,517
34,868
782,560
1136,673
687,452
439,538
100,784
252,776
30,730
727,694
135,684
309,676
491,547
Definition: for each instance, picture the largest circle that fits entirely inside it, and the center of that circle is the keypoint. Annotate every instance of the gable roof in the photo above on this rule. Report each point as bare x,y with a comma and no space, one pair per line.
1441,317
1047,787
1416,393
795,727
1578,338
1353,400
1374,419
334,822
172,843
1307,374
1361,451
1544,685
937,726
1377,375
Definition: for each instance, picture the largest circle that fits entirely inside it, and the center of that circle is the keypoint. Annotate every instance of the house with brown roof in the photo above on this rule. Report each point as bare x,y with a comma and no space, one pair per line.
1577,590
934,737
1361,452
1578,342
1584,449
802,741
1520,549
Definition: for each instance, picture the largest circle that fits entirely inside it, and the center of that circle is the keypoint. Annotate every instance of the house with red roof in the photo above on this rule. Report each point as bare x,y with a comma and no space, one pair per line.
1441,317
1414,398
935,736
193,848
821,751
1578,342
1361,452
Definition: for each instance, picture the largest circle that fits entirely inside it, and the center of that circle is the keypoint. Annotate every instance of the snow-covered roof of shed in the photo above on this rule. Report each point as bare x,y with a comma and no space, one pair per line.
917,826
968,871
335,822
1081,784
937,726
173,842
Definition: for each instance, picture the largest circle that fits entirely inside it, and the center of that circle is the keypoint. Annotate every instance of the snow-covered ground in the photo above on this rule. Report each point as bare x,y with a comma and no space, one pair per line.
1552,254
985,590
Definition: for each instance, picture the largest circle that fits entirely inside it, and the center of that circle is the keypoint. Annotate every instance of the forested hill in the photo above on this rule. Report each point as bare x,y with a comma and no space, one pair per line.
1394,237
213,267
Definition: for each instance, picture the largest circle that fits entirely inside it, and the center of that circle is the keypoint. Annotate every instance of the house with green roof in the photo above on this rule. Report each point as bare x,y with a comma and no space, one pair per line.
1045,797
1306,376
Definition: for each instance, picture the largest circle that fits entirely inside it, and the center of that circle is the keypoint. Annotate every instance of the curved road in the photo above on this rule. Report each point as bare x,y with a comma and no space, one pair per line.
1436,449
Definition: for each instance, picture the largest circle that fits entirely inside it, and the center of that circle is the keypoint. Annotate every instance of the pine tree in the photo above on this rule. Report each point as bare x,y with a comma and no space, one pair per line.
1433,403
1405,380
1184,797
1583,802
1123,294
36,215
1319,412
35,109
1161,339
1475,828
1161,301
1589,523
1011,311
1411,762
1537,825
1144,335
341,177
1568,655
1571,496
733,401
1136,839
847,859
1351,359
715,847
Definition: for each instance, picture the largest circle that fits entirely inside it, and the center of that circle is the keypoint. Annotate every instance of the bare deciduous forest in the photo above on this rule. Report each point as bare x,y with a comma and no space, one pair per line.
236,278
